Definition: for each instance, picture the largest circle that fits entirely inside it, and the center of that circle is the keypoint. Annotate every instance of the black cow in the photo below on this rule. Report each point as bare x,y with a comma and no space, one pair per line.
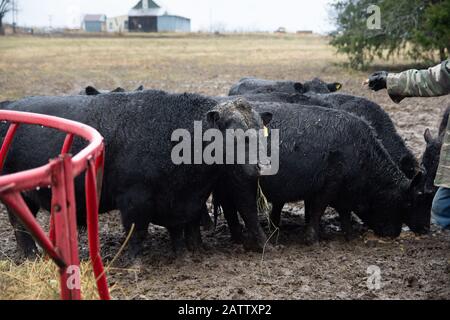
254,86
332,158
361,107
140,178
91,91
381,122
318,93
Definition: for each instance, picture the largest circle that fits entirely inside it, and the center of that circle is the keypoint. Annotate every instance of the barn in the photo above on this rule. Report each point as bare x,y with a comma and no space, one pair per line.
94,23
147,16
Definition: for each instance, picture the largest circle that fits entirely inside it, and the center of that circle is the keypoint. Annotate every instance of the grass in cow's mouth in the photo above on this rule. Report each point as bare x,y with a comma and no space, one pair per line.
261,201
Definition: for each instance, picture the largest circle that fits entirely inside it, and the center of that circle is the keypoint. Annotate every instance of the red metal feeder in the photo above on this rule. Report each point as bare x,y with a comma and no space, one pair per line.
61,244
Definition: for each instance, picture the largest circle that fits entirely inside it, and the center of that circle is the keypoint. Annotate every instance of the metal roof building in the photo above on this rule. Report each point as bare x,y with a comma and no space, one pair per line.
148,16
94,23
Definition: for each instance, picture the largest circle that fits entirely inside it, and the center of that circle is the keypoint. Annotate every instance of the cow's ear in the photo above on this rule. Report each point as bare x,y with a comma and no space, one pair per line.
299,87
118,89
266,117
427,135
140,88
91,91
335,86
213,116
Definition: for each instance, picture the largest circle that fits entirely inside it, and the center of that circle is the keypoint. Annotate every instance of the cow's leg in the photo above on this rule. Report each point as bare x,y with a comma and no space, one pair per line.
205,220
316,205
231,215
275,214
244,197
140,231
275,218
193,236
307,216
346,223
256,239
26,245
134,207
176,237
314,208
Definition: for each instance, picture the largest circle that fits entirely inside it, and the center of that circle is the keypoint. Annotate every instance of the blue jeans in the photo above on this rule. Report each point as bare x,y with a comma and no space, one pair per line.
440,211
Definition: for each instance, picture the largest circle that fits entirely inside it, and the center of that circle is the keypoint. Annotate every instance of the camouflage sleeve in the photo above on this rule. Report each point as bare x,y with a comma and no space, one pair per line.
432,82
443,173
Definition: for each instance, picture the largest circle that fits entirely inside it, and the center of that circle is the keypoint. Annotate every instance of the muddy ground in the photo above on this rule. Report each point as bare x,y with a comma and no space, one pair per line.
411,267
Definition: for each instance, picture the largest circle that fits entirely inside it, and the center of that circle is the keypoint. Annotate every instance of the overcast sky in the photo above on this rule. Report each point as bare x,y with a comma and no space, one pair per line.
242,15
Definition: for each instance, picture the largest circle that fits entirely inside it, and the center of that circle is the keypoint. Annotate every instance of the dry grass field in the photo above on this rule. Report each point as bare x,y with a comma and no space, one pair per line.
411,267
207,64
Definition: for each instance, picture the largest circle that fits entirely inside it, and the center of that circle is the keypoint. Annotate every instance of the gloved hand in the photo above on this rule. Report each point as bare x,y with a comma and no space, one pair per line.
378,80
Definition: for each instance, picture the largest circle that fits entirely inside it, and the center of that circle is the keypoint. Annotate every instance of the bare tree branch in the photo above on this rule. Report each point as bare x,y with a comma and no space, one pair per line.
5,7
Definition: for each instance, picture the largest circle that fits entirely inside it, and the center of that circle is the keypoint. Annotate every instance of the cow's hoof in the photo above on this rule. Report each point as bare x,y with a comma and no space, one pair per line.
133,253
237,238
134,249
253,247
311,237
194,247
179,255
193,241
137,263
349,236
28,253
255,244
274,237
237,235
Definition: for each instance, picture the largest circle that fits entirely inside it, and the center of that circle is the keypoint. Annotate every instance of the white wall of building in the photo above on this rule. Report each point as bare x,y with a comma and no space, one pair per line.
117,24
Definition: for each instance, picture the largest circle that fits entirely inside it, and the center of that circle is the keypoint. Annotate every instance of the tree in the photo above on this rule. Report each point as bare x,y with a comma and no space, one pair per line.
434,33
5,7
417,27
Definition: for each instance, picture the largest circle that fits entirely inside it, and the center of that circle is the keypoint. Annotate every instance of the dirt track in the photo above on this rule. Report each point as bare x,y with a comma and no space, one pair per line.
411,267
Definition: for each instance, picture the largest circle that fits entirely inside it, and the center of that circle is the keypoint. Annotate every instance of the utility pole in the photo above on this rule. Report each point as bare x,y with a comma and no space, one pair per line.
210,20
14,15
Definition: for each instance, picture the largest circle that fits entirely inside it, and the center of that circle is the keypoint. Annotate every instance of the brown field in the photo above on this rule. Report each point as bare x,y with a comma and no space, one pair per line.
411,267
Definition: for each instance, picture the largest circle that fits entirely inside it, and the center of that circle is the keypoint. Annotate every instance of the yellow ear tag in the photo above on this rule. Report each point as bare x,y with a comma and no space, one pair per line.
266,132
338,86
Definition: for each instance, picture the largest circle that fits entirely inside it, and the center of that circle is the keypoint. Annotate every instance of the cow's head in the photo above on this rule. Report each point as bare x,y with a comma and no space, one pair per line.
416,208
240,117
394,206
318,86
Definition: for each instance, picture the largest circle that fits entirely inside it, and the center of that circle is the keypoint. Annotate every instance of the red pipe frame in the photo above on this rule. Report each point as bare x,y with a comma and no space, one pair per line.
62,243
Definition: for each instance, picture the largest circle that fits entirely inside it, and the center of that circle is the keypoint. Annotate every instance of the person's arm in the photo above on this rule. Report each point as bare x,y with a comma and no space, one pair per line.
431,82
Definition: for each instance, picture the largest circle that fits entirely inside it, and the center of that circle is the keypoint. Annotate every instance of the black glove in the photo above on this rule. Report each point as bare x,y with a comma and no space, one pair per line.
378,80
